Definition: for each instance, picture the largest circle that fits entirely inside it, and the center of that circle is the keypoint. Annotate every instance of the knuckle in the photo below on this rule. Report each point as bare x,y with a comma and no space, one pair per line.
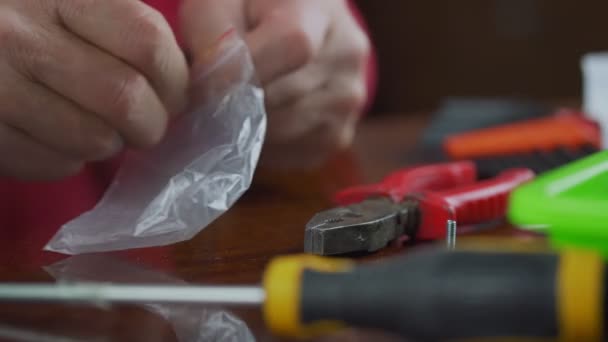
102,145
354,98
21,48
150,25
134,112
360,46
8,33
356,51
34,63
32,54
149,20
152,52
359,95
301,46
154,137
127,94
156,58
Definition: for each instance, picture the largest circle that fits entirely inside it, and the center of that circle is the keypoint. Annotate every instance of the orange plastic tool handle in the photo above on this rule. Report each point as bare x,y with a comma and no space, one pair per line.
565,129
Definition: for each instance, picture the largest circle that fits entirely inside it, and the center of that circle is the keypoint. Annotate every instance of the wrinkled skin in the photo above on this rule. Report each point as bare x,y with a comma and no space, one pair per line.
78,83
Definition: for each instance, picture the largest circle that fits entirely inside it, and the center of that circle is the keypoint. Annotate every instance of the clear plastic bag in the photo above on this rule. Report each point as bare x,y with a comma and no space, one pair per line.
170,193
191,323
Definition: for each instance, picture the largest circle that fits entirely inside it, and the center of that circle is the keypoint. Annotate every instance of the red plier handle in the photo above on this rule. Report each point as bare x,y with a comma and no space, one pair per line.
415,179
469,205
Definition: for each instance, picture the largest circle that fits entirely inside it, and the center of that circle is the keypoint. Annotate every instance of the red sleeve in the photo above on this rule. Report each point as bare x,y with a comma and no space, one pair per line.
169,8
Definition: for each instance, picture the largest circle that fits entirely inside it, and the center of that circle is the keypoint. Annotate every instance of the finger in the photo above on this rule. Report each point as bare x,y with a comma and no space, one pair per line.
336,105
137,34
286,36
205,22
338,129
30,160
345,52
292,87
348,89
216,73
348,47
56,122
100,84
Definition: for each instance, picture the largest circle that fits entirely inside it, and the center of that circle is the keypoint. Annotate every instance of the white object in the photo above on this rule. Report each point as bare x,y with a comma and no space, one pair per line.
595,90
131,294
171,192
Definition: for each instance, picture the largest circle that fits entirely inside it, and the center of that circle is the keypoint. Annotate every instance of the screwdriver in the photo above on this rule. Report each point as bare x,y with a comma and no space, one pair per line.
429,294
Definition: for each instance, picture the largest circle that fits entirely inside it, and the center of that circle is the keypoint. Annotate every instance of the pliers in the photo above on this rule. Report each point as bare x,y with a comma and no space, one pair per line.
415,202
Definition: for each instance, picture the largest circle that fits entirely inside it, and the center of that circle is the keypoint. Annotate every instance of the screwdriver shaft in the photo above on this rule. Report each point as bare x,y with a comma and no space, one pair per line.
451,234
105,293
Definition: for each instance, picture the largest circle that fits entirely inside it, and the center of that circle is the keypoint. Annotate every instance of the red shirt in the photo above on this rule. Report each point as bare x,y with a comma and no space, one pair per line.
34,211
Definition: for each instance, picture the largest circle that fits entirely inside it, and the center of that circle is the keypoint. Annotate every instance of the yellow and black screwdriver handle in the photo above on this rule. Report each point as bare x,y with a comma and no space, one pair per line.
438,295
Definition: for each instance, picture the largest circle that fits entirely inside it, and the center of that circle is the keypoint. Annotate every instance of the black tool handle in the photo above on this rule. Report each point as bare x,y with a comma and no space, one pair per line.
434,296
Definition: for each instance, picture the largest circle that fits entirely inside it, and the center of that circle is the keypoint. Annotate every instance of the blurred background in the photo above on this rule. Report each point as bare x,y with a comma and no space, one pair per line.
432,49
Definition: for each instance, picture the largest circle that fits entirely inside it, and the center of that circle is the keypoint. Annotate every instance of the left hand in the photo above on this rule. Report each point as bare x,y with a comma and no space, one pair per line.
310,56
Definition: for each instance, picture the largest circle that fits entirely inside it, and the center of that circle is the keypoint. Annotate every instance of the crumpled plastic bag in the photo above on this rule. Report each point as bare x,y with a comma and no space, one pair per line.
191,323
170,193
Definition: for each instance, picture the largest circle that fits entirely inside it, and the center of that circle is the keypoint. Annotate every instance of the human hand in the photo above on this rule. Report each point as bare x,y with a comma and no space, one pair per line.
310,56
79,79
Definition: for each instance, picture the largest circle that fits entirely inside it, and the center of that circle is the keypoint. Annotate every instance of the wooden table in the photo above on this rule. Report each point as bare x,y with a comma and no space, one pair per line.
267,222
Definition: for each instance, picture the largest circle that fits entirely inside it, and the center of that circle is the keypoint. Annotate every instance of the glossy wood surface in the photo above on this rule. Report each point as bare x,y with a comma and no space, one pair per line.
267,222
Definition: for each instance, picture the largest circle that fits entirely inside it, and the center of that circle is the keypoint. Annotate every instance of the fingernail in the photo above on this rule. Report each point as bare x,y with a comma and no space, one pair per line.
116,145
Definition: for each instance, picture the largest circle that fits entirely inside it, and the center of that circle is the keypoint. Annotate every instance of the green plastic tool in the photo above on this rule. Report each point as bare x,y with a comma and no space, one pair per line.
569,204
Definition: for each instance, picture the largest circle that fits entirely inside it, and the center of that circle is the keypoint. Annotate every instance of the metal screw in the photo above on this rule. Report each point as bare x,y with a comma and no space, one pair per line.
451,234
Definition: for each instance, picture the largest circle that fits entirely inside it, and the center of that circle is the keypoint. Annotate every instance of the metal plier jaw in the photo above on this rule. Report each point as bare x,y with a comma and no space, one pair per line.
372,223
367,226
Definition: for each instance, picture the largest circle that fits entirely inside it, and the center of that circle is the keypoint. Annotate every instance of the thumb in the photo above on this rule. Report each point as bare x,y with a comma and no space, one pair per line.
205,22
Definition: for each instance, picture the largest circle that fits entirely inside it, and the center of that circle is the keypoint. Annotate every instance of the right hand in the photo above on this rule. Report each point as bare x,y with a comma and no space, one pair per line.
80,79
